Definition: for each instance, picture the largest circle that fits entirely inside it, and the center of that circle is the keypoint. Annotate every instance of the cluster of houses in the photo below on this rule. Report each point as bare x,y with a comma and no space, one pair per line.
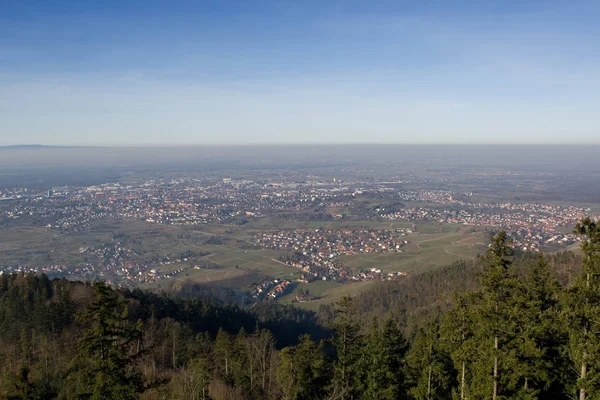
315,252
271,289
531,225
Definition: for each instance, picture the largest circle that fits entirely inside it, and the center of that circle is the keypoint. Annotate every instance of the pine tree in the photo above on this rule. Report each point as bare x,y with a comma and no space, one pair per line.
223,349
495,320
538,338
381,374
346,341
430,367
302,373
458,339
583,313
371,372
243,364
395,346
105,364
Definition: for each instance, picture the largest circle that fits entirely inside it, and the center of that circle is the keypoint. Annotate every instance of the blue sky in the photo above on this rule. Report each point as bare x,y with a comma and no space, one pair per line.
227,72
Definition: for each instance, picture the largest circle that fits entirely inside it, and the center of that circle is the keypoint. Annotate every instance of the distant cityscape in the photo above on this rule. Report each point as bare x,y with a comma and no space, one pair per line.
198,201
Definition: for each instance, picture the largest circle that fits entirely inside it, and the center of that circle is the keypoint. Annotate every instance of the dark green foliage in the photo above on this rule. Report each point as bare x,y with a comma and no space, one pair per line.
107,353
302,372
582,314
429,366
347,344
381,364
539,338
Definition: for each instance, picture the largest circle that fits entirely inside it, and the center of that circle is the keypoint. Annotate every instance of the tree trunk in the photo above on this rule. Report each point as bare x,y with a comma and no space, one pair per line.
271,372
263,367
251,376
583,372
583,364
251,365
429,384
430,369
174,356
495,393
462,382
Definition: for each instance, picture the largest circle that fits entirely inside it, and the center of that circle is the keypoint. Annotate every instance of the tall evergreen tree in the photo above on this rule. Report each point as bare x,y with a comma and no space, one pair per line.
495,322
459,340
396,347
105,365
242,364
583,314
429,365
223,353
302,373
538,337
346,341
380,373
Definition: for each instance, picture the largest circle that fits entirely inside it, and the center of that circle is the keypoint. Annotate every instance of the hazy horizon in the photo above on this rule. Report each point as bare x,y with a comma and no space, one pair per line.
299,144
513,155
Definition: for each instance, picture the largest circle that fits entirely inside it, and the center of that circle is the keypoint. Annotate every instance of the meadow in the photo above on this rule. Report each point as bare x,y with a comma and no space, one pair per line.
423,253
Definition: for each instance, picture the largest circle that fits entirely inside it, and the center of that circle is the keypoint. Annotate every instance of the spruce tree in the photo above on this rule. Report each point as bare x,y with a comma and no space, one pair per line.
105,364
380,373
583,314
495,321
538,337
429,366
395,346
458,339
371,374
222,353
346,341
302,372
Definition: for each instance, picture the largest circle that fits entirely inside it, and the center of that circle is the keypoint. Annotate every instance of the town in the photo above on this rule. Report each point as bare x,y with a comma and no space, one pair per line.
213,200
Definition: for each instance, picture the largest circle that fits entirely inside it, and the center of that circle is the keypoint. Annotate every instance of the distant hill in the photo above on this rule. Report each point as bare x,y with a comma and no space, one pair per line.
35,146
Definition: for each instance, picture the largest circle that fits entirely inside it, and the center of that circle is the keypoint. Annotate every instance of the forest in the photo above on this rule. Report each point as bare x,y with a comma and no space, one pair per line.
508,325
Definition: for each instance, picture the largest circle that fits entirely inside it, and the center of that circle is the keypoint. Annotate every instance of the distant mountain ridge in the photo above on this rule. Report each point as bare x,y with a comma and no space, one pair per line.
34,146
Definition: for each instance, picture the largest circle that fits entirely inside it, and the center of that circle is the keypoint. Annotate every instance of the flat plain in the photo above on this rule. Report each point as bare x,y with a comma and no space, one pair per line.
226,255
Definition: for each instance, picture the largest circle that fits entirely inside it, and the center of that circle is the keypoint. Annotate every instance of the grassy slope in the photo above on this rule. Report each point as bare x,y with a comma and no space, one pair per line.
425,252
329,292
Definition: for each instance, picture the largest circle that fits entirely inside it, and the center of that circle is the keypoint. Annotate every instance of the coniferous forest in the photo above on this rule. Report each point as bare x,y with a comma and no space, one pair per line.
509,325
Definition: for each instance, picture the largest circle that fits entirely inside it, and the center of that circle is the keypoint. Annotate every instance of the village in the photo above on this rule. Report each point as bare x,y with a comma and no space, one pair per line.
315,252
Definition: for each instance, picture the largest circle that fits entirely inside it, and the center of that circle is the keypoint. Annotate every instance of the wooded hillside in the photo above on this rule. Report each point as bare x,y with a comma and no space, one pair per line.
508,325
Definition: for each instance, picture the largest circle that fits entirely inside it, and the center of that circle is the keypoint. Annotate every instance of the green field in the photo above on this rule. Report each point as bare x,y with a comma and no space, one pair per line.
425,252
234,278
42,246
329,292
263,260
